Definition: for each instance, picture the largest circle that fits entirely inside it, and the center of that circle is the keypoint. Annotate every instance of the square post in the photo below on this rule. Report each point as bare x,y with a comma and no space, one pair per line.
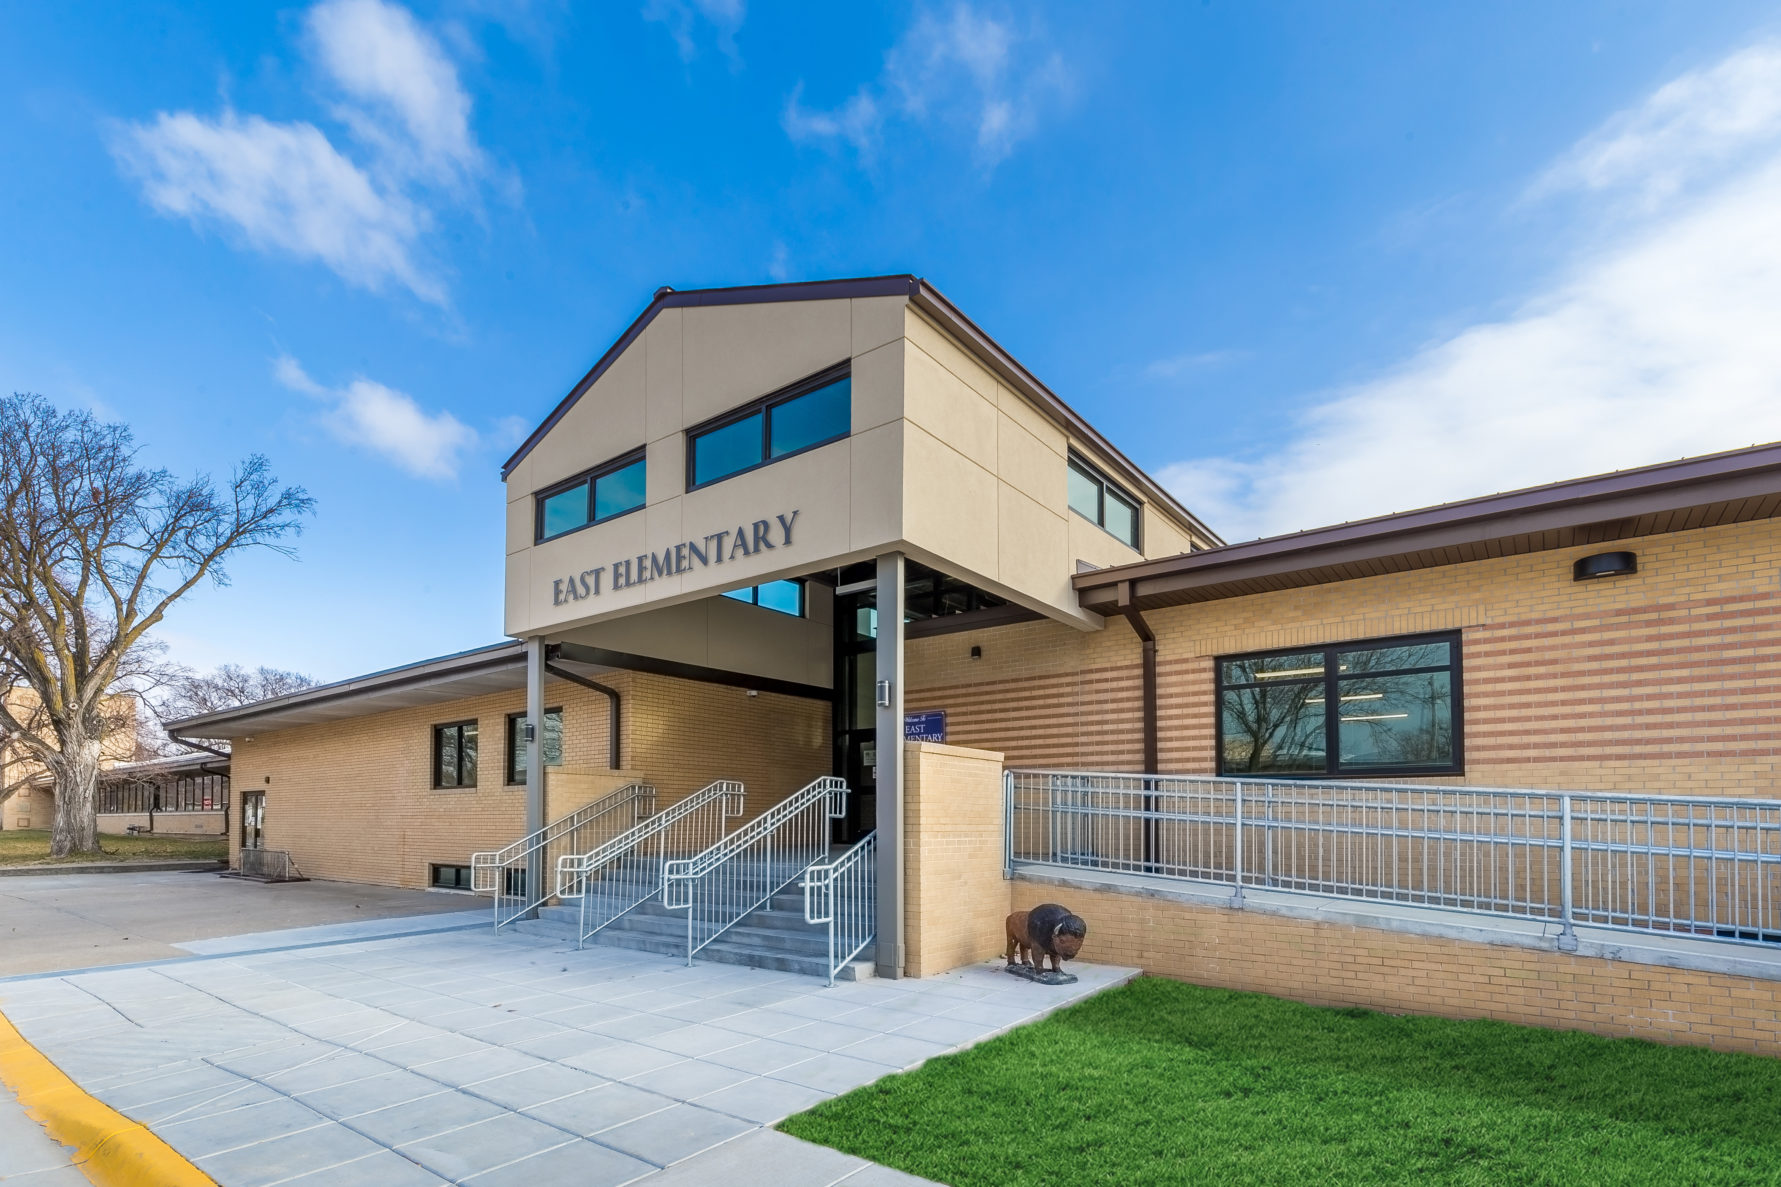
534,727
889,741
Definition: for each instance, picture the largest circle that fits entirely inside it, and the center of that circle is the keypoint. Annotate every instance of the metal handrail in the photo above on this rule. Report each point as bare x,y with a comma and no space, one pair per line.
1694,866
627,871
844,894
507,873
719,887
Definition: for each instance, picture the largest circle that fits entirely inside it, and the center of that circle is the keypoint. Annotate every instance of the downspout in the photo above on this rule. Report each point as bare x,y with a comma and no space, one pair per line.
611,695
1147,640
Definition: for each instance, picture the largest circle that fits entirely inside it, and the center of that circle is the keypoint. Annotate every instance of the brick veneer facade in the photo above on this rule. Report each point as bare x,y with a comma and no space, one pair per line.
353,800
1665,680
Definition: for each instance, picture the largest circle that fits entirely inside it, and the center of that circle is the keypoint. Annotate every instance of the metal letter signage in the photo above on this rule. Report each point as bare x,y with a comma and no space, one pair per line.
925,727
683,557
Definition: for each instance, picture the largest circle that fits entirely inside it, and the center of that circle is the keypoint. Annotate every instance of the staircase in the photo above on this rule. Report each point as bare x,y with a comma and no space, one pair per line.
773,936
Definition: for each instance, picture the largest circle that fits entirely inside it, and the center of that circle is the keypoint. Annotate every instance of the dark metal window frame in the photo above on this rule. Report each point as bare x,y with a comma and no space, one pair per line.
1095,472
755,598
438,731
1333,767
764,405
515,721
586,478
461,876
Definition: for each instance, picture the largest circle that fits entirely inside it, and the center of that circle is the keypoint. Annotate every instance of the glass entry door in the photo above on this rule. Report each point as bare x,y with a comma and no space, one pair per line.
253,819
856,712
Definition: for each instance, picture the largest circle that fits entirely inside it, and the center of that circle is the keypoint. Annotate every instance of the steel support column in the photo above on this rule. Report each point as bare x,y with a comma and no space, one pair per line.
889,743
535,661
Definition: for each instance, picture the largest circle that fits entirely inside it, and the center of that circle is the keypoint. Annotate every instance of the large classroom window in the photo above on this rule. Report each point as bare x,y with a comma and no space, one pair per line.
1384,707
518,750
605,492
454,754
787,597
812,412
1103,502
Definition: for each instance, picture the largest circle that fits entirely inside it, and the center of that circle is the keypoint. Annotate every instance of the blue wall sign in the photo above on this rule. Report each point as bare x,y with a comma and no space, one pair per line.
925,727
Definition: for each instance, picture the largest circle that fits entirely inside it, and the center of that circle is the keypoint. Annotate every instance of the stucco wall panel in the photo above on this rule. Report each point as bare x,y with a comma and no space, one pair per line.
611,413
949,503
940,402
876,321
733,353
878,386
664,369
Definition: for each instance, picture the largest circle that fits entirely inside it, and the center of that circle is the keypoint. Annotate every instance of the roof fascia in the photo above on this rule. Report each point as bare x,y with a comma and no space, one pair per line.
430,671
666,298
953,320
1629,494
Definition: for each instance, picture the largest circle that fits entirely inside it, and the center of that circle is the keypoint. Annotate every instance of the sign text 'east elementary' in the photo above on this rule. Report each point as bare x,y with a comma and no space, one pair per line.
746,540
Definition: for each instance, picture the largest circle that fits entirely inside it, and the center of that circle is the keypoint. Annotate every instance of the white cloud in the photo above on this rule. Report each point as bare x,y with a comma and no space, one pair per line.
281,187
965,69
1660,344
287,187
412,106
681,18
1175,366
1690,126
854,122
370,416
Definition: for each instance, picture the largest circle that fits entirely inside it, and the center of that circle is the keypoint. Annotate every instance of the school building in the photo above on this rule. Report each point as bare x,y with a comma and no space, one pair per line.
834,635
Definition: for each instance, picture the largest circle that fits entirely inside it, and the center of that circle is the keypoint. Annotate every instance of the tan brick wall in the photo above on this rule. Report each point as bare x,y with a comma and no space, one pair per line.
1329,964
353,800
166,824
954,896
1667,679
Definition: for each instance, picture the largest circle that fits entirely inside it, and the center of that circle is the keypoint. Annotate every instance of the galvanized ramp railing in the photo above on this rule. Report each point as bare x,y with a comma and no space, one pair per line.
844,894
627,870
506,872
726,882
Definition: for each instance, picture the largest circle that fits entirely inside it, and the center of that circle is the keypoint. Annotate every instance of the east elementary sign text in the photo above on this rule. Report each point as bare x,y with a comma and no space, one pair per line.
746,540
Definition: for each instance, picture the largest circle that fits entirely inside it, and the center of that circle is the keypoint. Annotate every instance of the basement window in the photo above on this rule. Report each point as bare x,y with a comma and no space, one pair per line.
449,877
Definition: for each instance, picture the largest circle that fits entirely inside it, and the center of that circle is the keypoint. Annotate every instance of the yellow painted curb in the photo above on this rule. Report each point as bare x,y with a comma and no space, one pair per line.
109,1148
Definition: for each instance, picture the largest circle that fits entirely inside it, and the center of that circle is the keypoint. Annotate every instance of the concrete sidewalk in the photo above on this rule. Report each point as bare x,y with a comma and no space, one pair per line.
466,1057
28,1156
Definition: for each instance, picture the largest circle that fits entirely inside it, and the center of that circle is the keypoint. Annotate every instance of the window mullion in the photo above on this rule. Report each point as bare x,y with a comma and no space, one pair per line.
1332,714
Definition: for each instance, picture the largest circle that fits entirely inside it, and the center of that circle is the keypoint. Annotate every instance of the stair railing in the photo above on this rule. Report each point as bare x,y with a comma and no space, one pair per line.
627,870
844,894
507,873
723,884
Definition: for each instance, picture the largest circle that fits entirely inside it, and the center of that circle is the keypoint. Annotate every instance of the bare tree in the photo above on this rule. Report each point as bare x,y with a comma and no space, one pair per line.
94,549
192,694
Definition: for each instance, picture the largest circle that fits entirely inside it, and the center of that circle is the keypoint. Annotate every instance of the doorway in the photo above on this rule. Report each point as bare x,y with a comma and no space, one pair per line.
253,819
856,712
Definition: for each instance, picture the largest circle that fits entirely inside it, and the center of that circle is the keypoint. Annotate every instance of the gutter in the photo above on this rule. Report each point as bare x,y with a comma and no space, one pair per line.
1147,640
208,770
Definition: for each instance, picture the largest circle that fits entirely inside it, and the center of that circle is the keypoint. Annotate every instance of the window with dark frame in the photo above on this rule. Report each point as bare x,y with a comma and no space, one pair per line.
449,877
608,491
517,750
809,413
1103,502
787,597
1379,707
454,755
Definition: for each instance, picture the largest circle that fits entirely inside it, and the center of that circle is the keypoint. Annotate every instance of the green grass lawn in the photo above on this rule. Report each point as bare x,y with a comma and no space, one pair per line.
30,846
1161,1082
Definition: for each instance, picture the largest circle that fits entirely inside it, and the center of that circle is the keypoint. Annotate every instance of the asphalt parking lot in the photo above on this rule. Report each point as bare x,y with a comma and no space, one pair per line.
68,921
333,1055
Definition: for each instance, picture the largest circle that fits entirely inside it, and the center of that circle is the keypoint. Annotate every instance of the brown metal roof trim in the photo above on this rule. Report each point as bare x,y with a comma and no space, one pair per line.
1731,487
926,298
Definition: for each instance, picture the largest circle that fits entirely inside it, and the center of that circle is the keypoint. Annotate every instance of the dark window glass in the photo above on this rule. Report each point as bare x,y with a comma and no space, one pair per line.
617,492
1370,709
735,446
1101,502
454,754
518,750
565,511
451,877
821,415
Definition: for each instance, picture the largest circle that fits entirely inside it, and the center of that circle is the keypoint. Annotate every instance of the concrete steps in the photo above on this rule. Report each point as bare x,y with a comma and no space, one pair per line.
773,936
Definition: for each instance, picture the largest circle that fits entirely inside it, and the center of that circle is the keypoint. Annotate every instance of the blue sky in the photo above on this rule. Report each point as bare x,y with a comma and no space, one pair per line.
1305,262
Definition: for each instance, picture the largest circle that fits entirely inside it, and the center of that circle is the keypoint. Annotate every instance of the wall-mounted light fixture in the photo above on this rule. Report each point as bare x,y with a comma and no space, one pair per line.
976,653
1605,564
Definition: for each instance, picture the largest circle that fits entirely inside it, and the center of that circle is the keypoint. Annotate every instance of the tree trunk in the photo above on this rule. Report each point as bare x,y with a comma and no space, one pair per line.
76,768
